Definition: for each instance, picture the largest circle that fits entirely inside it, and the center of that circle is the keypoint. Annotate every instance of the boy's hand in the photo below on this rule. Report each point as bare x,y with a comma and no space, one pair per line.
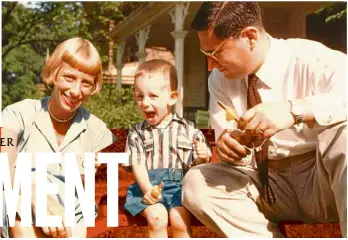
201,149
150,198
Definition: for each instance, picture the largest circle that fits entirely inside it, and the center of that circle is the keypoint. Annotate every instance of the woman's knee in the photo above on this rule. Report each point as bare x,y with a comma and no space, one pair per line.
79,230
156,216
17,231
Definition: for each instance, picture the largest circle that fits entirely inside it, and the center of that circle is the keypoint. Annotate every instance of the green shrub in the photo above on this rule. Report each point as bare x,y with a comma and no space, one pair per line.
115,107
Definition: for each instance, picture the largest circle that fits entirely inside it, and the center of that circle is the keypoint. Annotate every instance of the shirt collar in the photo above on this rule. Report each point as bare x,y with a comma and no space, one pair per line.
173,116
43,122
267,72
78,125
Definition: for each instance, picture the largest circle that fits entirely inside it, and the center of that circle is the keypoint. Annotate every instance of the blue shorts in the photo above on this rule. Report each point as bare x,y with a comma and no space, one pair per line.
171,192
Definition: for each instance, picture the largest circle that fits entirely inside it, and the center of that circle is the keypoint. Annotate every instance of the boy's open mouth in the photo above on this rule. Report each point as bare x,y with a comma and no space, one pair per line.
149,115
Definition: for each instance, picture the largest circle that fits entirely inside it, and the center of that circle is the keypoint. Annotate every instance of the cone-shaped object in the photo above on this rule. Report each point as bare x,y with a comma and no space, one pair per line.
230,113
156,190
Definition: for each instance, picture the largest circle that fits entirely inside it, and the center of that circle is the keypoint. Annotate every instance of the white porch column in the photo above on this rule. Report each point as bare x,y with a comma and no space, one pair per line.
178,15
142,36
119,63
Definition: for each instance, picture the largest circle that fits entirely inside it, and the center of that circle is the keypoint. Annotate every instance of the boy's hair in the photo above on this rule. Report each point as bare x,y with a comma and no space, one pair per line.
158,66
227,18
79,53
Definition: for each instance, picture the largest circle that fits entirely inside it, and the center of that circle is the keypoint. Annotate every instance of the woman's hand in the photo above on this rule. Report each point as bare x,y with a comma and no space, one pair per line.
55,209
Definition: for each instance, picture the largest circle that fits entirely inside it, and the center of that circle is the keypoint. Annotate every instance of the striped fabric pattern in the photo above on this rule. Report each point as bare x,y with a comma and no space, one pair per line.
169,147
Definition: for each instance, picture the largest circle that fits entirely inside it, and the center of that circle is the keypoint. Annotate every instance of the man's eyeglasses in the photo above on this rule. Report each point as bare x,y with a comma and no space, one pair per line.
212,54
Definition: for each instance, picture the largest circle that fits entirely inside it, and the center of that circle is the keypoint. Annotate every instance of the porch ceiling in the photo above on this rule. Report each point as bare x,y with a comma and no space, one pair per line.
303,7
151,11
140,18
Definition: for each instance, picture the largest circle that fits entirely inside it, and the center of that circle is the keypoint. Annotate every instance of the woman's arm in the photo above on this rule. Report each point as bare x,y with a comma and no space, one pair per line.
10,150
54,208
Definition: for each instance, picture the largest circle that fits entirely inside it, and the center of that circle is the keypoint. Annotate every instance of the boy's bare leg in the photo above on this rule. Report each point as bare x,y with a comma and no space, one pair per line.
157,220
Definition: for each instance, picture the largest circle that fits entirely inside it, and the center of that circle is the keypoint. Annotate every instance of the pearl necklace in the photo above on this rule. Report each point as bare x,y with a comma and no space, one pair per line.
57,119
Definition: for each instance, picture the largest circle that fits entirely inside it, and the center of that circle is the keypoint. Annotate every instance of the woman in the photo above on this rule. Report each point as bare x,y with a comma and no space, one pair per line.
59,124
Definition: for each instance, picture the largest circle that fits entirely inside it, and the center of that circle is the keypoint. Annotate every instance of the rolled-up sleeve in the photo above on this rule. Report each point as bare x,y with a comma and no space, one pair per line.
104,137
12,119
135,150
328,73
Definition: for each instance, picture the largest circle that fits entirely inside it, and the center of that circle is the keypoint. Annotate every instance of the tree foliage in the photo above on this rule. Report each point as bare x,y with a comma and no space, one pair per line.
43,25
329,25
20,70
95,19
334,11
30,31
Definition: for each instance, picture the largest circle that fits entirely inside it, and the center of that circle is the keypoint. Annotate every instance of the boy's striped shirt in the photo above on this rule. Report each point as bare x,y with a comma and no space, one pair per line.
169,147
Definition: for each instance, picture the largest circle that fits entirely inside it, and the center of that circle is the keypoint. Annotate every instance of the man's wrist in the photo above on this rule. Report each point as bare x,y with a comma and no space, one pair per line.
297,111
289,105
307,114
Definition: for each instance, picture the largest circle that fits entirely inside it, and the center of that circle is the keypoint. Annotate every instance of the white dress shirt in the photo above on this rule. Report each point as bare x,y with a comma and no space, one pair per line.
293,69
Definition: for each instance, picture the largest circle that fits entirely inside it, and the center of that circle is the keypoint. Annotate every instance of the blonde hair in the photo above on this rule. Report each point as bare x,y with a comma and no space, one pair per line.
158,66
79,53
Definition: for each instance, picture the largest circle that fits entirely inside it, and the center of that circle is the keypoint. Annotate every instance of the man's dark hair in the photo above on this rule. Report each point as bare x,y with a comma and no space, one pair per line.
227,18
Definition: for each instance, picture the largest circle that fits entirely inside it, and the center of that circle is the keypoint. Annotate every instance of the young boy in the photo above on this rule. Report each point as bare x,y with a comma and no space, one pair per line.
161,147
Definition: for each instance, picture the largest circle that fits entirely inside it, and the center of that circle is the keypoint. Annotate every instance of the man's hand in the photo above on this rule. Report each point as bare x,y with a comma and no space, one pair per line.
230,147
267,119
201,149
55,209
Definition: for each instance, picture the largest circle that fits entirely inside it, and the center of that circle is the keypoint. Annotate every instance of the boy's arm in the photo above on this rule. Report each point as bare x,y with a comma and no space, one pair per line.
142,178
137,160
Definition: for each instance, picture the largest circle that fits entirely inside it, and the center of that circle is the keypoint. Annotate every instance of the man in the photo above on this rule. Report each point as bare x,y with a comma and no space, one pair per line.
290,96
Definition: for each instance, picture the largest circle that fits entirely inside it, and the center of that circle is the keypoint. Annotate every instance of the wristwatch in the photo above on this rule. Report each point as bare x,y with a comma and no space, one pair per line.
297,112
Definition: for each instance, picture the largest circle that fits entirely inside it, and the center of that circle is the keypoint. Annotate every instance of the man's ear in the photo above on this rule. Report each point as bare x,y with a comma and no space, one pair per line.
251,35
173,98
